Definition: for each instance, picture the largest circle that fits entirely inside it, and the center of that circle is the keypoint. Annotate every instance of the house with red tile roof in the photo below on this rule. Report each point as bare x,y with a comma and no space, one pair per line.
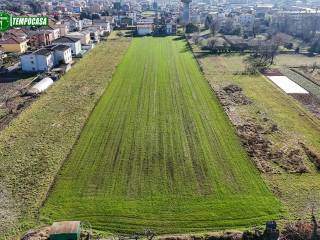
14,45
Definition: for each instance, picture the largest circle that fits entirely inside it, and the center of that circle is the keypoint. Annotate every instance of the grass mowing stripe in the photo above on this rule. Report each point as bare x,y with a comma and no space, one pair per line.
158,151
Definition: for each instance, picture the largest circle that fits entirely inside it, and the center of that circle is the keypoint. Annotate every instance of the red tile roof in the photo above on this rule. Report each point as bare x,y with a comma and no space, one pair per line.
11,40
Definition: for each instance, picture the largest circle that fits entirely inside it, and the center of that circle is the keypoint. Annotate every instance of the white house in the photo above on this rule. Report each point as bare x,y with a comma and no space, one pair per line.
38,61
61,54
73,43
73,23
45,58
171,28
55,31
133,15
83,36
103,25
144,29
63,29
94,33
86,22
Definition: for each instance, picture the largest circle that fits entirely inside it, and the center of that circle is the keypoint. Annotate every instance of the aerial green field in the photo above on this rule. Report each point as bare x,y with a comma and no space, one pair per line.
36,143
158,152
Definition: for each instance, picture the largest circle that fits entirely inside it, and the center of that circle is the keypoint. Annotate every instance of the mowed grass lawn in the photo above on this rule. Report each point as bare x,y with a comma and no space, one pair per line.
158,152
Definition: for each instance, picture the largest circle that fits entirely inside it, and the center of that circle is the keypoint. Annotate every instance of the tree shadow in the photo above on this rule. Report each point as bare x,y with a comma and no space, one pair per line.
203,54
179,38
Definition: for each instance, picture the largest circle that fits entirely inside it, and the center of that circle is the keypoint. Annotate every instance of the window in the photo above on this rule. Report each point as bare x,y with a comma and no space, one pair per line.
32,62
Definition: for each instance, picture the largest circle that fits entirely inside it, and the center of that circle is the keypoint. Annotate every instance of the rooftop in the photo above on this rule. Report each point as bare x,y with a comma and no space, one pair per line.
66,40
12,40
43,51
59,47
64,227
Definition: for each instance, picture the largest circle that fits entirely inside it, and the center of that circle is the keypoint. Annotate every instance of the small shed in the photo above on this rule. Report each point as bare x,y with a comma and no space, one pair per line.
69,230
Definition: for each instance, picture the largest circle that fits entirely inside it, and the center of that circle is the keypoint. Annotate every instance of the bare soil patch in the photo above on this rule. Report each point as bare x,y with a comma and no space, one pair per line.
232,95
314,157
11,83
12,98
37,234
267,157
13,106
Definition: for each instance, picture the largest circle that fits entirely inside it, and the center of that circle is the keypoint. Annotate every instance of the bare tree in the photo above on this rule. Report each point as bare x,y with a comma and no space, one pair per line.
314,67
214,27
212,45
195,38
262,57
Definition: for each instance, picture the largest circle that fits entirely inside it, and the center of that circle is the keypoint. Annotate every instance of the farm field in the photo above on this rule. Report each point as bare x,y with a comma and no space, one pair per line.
158,152
35,144
295,123
296,60
303,82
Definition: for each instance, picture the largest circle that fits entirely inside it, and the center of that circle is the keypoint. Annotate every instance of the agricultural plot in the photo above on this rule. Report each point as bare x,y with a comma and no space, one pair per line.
158,152
303,82
296,60
271,105
311,100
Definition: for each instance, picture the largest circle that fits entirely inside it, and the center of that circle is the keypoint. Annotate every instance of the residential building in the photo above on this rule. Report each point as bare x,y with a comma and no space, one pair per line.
86,22
144,29
73,43
17,33
262,9
95,7
41,60
63,29
83,36
301,24
94,34
14,45
73,23
171,28
40,38
77,9
126,21
46,58
247,22
61,54
53,21
55,31
103,24
133,16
